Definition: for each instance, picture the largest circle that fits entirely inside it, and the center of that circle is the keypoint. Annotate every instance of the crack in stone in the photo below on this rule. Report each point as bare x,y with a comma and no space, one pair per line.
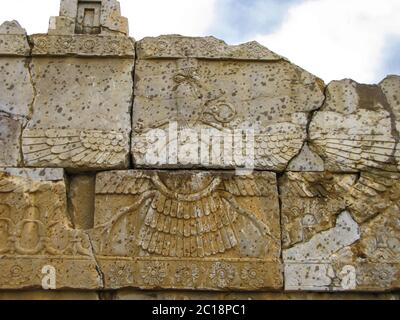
98,268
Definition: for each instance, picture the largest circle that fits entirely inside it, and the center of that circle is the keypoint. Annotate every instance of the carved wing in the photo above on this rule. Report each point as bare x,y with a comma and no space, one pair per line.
80,147
187,229
357,151
371,194
312,185
275,150
190,223
119,183
8,185
246,186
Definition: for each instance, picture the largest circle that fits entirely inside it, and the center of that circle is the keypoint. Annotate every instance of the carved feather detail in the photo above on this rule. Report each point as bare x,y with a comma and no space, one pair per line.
277,150
358,151
184,223
93,147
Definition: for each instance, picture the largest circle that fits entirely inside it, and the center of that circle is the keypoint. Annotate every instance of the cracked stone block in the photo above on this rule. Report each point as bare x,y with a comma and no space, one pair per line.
81,118
13,40
357,129
341,232
36,238
200,103
16,91
188,229
82,109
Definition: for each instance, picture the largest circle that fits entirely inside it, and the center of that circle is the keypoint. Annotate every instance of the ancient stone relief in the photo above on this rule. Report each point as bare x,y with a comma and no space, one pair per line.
35,232
188,230
341,231
16,91
358,126
101,145
98,89
214,102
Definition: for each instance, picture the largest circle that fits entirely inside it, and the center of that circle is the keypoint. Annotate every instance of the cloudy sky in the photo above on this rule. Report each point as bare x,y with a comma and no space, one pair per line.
333,39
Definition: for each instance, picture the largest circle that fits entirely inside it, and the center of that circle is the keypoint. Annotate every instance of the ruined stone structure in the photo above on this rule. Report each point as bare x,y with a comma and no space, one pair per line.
180,167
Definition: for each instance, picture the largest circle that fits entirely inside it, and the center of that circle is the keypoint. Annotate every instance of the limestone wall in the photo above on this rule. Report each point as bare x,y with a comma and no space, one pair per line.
184,168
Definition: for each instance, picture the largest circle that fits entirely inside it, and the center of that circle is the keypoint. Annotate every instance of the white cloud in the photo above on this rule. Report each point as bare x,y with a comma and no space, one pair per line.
338,39
33,15
155,17
146,17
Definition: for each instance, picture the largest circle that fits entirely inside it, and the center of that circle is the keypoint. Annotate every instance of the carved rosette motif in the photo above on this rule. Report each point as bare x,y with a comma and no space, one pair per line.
83,45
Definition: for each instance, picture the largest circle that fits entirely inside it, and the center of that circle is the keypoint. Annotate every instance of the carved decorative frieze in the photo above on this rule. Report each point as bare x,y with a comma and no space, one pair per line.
178,47
83,45
36,235
183,230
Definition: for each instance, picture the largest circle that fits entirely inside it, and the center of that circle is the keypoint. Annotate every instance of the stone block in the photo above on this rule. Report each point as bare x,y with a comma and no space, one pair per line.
358,127
188,230
200,103
36,237
341,232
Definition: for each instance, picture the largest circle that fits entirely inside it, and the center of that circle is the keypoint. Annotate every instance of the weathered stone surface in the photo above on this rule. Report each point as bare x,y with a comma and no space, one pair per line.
13,40
358,126
81,118
35,233
306,161
191,93
188,230
16,91
167,295
10,132
81,192
341,232
83,45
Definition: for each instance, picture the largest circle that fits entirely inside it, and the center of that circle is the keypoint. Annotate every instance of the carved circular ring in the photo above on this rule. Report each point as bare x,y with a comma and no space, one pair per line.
223,112
89,44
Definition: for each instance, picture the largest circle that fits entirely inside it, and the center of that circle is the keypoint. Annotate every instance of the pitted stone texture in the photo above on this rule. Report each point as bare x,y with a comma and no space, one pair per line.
104,17
35,233
10,132
306,161
186,230
202,104
16,90
13,40
81,117
81,192
358,127
83,45
341,233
